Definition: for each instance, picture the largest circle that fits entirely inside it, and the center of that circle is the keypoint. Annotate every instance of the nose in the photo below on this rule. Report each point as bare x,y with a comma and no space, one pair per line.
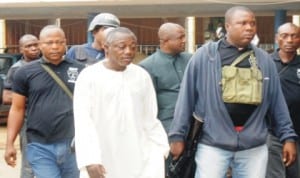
129,49
54,45
184,39
249,26
289,38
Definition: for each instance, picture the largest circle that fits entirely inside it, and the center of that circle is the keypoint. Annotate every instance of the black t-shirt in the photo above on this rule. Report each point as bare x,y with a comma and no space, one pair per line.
49,108
290,83
10,74
239,113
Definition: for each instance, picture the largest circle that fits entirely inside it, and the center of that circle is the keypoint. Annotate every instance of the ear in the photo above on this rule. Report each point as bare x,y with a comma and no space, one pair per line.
40,45
162,42
106,47
276,38
227,26
21,49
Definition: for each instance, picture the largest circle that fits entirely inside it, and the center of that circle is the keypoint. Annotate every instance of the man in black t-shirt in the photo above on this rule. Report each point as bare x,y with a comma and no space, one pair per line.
50,124
30,51
288,65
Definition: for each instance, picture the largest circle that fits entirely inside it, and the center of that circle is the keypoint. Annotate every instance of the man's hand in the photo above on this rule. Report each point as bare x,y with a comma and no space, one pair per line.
176,149
96,171
289,153
10,155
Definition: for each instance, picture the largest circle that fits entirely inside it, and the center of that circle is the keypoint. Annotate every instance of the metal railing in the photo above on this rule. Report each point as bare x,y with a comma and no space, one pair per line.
143,49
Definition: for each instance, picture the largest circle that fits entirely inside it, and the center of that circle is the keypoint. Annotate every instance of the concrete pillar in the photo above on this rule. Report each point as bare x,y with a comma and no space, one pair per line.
89,35
54,22
58,22
190,26
296,21
280,18
2,35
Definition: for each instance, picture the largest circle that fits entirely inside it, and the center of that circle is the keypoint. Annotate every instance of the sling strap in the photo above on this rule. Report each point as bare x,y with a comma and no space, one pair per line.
67,91
242,57
58,80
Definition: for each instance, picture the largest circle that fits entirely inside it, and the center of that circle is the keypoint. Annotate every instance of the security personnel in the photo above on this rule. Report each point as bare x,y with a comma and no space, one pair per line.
288,65
90,53
49,109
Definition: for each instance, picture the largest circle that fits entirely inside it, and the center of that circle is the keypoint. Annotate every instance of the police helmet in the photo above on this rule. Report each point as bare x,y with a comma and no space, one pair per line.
104,19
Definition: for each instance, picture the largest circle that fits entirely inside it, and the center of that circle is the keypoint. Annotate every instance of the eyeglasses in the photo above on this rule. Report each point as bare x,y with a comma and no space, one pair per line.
50,43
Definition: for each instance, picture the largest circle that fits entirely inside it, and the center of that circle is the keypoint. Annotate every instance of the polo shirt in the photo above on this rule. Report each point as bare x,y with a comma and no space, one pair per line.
289,75
166,72
238,112
10,74
49,108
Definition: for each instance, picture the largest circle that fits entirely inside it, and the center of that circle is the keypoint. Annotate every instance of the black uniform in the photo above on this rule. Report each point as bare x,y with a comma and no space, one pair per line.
289,75
290,83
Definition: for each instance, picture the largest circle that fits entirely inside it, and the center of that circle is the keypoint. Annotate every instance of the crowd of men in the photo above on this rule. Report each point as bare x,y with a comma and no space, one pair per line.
90,112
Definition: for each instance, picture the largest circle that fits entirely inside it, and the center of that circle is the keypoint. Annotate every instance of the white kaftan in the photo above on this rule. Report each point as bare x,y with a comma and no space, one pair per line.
116,123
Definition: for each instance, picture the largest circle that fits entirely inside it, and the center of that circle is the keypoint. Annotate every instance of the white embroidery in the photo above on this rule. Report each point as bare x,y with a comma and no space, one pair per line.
72,74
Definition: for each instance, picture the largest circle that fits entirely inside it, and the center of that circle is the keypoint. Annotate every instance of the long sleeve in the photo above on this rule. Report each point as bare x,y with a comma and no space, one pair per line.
86,137
185,105
152,125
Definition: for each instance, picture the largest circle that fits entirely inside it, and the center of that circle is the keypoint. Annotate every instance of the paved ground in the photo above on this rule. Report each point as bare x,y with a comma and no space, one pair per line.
5,170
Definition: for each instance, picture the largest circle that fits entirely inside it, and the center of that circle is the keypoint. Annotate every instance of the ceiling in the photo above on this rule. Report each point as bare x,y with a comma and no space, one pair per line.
47,9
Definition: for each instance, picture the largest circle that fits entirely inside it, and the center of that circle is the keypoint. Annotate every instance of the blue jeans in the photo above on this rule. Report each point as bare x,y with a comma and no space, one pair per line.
213,162
52,160
276,167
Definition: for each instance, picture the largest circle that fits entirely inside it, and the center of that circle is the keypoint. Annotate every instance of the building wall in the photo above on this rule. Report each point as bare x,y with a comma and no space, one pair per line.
16,28
145,29
75,30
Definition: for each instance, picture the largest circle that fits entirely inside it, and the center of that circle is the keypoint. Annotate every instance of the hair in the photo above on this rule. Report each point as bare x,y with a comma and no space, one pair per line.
50,28
231,11
113,34
96,28
25,38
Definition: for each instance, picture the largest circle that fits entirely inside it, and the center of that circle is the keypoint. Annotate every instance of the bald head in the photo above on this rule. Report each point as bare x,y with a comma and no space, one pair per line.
29,47
52,43
168,30
288,40
240,24
50,29
286,26
231,12
27,37
171,38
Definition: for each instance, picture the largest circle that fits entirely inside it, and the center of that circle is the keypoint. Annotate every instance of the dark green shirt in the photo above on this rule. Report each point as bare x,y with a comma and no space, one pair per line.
166,72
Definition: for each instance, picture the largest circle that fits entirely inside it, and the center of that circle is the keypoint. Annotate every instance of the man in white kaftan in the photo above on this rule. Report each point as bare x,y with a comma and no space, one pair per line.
115,116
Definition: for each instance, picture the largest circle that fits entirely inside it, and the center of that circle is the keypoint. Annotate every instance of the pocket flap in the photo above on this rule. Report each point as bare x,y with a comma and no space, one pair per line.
244,73
229,71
